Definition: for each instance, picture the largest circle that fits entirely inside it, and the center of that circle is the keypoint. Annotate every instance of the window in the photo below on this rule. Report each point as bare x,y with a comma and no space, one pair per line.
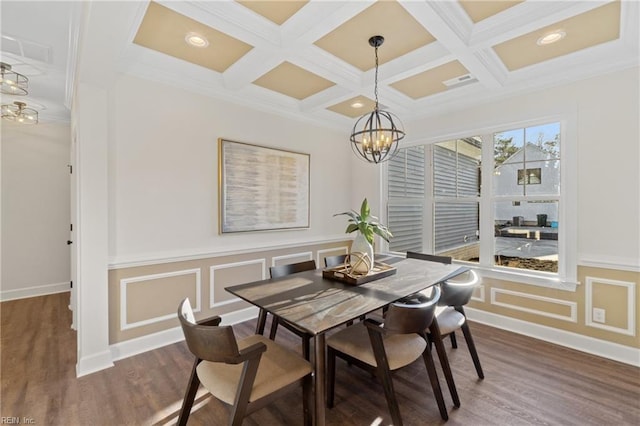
523,212
493,199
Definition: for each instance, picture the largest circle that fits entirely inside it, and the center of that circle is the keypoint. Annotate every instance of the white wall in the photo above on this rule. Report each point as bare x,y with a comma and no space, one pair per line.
35,209
163,172
603,118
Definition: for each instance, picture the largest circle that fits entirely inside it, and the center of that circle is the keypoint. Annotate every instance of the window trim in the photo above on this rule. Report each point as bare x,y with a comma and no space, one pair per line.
567,275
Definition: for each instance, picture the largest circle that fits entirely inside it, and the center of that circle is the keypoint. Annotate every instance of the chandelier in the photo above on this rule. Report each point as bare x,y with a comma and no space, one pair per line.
11,82
375,136
19,112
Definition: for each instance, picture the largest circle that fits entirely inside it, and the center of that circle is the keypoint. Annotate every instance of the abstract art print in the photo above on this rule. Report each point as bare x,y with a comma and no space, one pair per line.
261,188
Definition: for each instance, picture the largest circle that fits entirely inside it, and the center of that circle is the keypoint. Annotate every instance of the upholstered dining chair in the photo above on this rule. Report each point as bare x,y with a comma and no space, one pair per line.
244,374
384,347
440,259
282,271
456,293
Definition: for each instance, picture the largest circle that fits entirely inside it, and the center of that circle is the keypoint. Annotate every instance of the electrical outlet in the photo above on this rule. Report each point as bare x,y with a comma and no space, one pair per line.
598,315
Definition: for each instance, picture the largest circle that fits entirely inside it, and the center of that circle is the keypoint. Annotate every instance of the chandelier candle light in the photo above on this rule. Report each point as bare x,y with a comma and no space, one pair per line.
375,136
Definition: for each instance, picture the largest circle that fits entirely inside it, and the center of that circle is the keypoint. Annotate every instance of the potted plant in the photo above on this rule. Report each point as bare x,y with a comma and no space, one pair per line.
367,226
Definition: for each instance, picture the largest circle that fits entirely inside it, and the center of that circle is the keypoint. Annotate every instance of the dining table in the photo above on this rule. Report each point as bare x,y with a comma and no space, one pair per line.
317,305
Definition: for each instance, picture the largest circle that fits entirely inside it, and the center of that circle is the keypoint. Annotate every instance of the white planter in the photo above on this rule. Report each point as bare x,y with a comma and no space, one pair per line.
361,259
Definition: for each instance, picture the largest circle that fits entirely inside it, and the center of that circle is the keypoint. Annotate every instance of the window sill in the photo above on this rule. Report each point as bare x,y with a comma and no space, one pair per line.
523,277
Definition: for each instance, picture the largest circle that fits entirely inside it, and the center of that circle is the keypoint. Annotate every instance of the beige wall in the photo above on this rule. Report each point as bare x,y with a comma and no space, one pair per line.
144,299
612,290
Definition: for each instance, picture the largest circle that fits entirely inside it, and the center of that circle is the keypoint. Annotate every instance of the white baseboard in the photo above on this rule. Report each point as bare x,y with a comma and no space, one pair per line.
145,343
613,351
167,337
40,290
93,363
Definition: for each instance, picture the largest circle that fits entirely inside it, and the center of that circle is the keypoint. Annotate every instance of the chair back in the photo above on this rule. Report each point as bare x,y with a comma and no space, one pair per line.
429,257
208,342
334,260
458,290
412,314
292,268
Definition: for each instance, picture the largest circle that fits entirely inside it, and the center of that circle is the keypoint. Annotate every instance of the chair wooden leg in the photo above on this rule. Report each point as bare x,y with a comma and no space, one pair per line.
435,383
241,402
444,361
262,319
274,327
189,395
454,342
385,376
331,375
472,349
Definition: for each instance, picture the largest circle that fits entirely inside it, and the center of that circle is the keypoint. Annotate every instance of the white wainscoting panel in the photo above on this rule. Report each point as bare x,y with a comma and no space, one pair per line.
573,317
125,325
212,302
630,330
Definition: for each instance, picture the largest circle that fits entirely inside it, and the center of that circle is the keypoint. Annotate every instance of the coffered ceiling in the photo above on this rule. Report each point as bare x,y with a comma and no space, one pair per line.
312,60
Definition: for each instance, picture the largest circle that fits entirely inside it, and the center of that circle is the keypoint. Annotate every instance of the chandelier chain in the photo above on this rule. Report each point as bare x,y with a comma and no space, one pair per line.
375,90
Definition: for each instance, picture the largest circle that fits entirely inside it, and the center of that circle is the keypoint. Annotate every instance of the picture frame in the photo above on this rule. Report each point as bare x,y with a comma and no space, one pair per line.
261,188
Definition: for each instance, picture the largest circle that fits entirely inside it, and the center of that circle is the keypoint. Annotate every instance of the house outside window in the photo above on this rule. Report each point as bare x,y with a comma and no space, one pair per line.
492,199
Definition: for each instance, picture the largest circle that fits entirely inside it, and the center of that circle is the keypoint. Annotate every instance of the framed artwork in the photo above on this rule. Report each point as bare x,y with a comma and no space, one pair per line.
261,188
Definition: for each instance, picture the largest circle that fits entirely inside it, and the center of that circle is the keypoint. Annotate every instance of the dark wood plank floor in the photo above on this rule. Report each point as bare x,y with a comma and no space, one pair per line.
528,382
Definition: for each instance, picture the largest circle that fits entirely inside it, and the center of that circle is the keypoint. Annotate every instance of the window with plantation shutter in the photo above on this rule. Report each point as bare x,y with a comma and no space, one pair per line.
456,187
502,201
406,188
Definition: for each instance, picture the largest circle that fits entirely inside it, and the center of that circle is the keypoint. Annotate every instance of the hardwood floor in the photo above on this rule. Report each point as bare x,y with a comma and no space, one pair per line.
528,382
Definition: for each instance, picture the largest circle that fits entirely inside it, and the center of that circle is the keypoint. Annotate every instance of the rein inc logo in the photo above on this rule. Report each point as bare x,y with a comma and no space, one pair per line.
17,421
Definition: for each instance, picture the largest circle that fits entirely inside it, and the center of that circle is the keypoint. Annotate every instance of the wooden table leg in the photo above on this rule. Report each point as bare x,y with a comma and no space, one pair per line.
319,376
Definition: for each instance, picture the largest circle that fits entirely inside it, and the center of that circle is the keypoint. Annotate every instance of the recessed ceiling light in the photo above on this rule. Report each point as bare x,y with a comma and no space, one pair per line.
357,104
551,37
196,40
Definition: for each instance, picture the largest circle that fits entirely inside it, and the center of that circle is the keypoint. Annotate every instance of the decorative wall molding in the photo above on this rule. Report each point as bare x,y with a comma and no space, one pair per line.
40,290
573,317
212,303
630,330
125,325
616,263
148,259
308,254
609,350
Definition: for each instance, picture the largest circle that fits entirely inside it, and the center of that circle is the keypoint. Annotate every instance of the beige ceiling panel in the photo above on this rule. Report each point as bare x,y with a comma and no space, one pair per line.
479,10
350,41
291,80
276,11
164,30
347,108
431,81
597,26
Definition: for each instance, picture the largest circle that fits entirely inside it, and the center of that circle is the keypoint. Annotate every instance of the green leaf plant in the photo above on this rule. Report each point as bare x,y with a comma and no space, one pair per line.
365,223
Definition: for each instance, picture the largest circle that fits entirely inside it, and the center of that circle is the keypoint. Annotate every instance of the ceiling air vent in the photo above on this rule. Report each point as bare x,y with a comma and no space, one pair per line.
462,80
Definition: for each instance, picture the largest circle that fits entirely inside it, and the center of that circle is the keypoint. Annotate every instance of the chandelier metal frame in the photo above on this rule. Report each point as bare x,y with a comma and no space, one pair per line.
375,135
